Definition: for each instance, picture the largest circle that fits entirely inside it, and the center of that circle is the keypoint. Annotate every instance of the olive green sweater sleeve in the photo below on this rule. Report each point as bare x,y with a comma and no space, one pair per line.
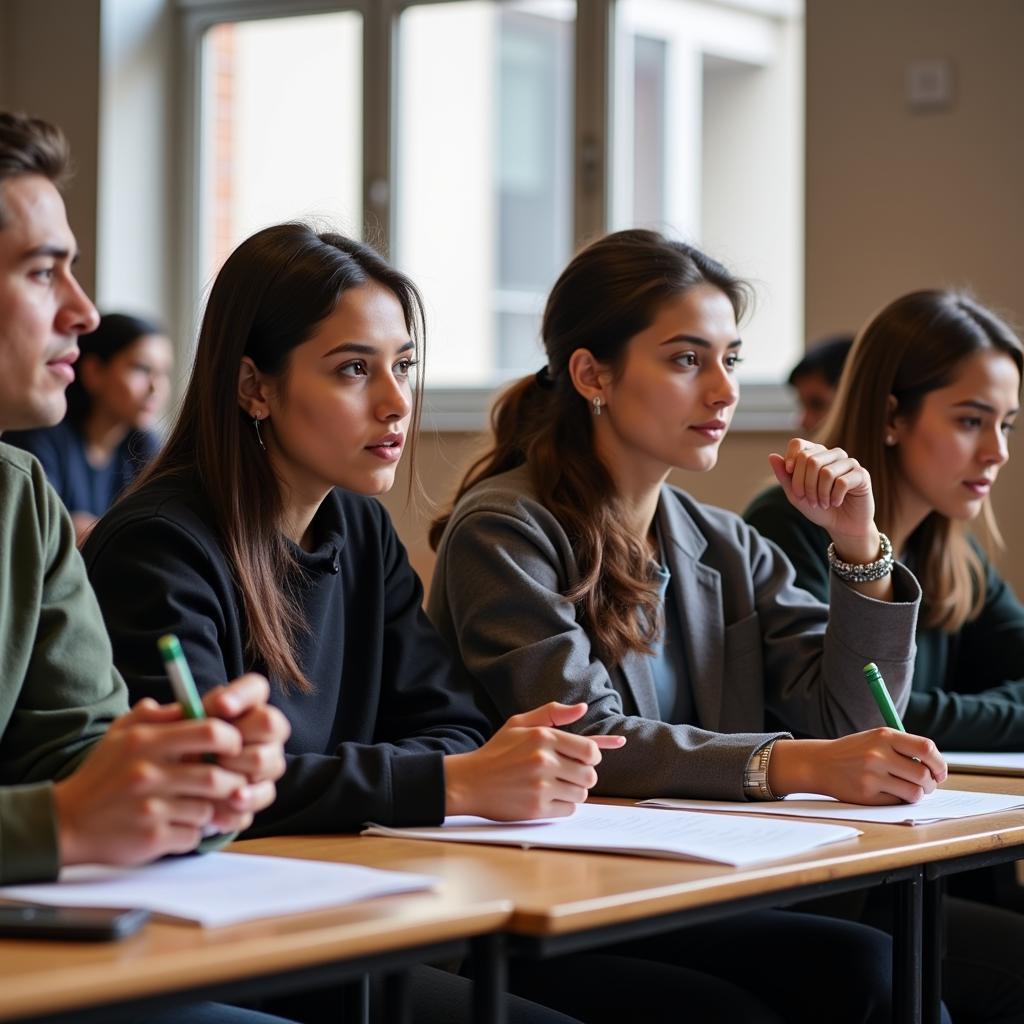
58,688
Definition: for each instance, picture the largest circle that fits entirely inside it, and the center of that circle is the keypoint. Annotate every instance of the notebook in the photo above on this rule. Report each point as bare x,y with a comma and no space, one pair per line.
641,831
942,805
984,763
220,888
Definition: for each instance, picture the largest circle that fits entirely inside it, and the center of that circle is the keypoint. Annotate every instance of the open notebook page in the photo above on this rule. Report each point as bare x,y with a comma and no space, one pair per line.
220,888
942,805
605,828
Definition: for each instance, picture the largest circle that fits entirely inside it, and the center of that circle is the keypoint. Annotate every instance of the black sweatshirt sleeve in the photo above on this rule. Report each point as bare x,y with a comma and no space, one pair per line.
155,576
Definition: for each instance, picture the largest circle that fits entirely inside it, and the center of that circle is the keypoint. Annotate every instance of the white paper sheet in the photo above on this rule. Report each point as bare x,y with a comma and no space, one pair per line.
220,888
643,832
942,805
984,764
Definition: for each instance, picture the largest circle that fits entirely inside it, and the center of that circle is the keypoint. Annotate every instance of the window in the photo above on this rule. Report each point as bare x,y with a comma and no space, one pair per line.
456,123
708,146
483,180
281,145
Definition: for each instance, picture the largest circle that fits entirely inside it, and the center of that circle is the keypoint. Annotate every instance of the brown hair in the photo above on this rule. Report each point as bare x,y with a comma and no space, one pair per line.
916,345
269,297
29,145
609,293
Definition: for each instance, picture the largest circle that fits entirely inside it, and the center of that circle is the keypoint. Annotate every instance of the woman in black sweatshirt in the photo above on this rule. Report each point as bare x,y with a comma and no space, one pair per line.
255,537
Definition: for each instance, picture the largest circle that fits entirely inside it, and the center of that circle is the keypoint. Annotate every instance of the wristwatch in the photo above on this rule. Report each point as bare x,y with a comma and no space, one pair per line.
755,776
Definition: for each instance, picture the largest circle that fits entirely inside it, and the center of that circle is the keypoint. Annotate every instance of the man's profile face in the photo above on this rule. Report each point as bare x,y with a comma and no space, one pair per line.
43,309
815,396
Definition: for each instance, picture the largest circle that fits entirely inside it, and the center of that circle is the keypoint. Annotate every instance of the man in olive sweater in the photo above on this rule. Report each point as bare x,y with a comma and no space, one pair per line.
82,779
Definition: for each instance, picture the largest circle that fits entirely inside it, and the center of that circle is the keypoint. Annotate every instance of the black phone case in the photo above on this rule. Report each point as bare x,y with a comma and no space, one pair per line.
89,924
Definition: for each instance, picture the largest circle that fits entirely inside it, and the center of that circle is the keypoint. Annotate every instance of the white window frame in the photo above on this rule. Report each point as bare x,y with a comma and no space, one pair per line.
763,406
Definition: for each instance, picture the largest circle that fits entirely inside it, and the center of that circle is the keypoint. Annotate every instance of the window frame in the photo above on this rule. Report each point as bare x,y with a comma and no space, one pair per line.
765,406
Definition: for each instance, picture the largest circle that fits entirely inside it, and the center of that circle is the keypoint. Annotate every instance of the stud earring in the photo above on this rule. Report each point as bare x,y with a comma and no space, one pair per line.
597,405
259,436
890,440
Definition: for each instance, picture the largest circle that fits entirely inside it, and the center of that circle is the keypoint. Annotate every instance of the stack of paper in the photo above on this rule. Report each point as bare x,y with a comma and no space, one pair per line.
220,888
643,832
942,805
985,764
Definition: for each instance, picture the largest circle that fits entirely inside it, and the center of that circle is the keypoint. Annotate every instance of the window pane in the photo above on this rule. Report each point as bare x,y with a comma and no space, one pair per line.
281,128
483,177
708,146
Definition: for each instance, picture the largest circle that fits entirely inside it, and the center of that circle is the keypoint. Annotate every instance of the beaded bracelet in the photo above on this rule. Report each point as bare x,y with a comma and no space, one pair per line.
868,572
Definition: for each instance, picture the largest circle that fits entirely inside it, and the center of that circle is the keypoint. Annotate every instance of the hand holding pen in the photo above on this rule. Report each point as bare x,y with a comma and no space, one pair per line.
878,766
263,730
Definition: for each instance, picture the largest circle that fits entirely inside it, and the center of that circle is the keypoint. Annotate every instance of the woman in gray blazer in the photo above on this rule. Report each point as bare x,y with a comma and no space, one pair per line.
569,570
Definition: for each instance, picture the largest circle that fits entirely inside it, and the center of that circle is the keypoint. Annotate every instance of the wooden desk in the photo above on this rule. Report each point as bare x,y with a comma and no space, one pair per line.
168,963
560,893
565,901
525,902
996,849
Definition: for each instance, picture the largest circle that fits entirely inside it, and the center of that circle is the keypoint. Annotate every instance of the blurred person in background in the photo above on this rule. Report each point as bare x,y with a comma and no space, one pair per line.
121,387
816,377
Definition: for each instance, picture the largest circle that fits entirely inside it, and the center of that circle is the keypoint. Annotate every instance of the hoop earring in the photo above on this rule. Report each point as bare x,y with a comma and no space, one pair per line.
259,436
597,405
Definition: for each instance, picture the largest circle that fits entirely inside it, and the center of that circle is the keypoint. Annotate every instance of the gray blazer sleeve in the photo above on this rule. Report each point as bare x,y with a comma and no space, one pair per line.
497,598
813,665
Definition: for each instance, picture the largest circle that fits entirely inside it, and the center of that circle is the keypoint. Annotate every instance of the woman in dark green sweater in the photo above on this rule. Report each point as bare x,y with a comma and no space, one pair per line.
929,394
927,399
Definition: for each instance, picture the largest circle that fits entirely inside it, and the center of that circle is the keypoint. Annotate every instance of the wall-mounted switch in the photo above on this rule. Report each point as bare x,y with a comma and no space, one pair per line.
930,84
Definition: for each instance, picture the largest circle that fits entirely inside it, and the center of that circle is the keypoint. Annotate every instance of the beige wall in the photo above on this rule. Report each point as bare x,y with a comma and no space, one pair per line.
899,200
3,55
50,59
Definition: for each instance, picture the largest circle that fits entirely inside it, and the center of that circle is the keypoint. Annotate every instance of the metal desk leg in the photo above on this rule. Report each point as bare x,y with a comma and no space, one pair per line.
397,998
490,979
355,1000
934,950
906,951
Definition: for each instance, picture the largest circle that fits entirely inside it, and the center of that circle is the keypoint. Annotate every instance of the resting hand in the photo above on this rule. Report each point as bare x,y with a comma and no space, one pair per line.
529,768
873,767
143,792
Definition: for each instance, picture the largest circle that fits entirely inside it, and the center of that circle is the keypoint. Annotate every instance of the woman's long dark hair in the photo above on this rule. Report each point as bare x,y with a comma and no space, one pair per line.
609,293
916,345
116,331
270,296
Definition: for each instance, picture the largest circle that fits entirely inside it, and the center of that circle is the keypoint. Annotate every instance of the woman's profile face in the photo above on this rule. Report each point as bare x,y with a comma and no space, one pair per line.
338,414
950,453
673,400
133,386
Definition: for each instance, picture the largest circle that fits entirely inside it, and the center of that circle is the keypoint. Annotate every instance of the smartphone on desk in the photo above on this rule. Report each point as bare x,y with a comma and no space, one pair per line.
90,924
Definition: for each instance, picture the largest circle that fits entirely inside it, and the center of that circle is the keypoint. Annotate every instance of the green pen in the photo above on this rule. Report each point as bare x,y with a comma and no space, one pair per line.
882,698
183,686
